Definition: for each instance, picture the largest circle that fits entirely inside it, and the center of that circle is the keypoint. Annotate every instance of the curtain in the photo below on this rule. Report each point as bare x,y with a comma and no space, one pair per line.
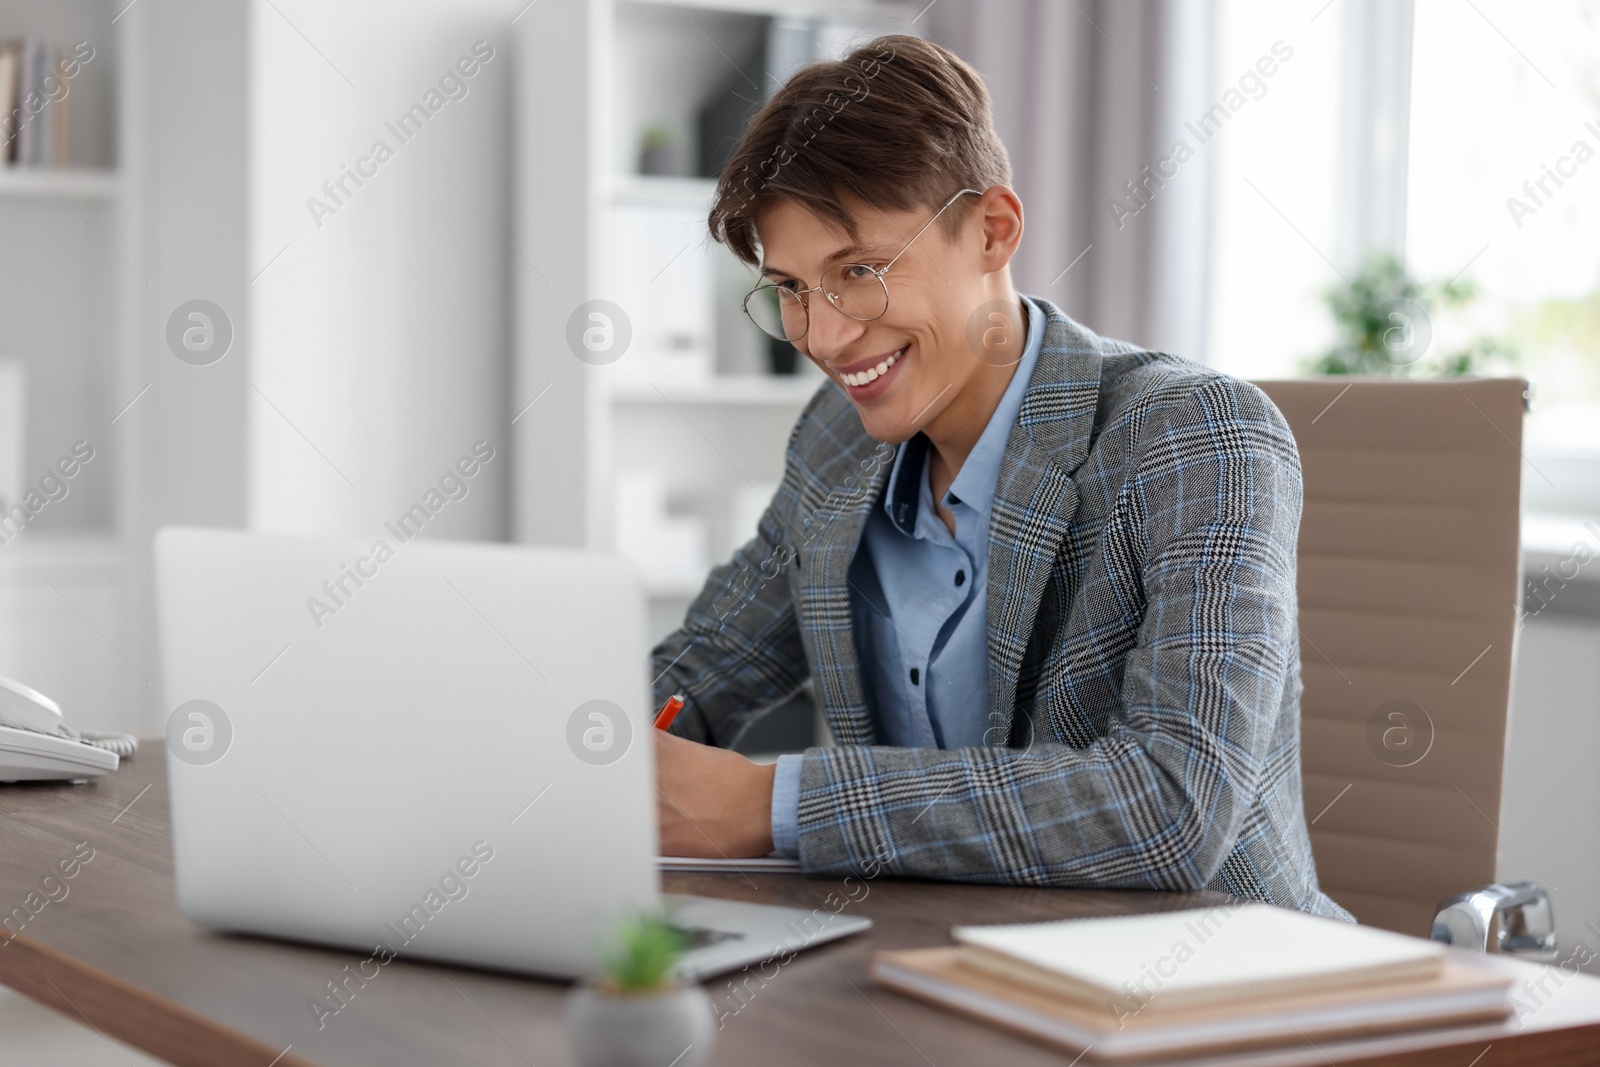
1090,98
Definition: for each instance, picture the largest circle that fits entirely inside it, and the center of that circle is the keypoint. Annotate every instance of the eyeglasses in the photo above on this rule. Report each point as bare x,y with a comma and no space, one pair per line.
854,289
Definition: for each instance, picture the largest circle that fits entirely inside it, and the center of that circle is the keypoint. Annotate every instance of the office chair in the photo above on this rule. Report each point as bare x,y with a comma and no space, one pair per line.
1409,571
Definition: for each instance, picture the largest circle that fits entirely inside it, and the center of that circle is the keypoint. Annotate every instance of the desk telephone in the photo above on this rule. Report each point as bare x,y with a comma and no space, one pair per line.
36,745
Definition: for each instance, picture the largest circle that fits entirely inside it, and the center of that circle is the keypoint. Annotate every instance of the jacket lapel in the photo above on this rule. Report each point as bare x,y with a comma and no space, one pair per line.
857,477
1034,504
1035,500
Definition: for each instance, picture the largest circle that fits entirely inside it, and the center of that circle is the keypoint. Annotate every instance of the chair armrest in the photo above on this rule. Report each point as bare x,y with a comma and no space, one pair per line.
1514,918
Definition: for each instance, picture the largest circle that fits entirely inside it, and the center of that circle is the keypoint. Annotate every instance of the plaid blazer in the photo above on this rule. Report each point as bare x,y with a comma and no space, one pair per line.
1143,655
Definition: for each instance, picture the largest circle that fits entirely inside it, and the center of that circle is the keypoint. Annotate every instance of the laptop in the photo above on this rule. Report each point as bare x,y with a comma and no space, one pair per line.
435,750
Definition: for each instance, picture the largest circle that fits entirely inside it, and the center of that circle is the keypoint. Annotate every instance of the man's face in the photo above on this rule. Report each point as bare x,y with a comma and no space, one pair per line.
919,346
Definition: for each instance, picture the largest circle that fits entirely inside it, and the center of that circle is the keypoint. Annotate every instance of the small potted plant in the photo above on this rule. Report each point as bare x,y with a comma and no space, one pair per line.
655,151
635,1013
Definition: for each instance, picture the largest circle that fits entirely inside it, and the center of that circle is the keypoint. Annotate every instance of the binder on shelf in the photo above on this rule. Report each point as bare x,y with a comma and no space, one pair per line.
664,285
669,549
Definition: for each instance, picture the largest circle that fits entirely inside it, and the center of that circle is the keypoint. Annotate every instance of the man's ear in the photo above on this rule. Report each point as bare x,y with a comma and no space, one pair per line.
1000,213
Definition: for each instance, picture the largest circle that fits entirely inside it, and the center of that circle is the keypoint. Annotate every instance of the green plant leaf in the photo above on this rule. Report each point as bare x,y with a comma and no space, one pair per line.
1360,324
642,953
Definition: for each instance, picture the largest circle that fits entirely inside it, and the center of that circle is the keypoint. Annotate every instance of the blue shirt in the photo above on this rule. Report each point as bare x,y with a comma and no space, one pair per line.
919,600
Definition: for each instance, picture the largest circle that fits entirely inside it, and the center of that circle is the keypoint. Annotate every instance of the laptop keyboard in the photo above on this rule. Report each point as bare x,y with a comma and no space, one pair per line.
701,936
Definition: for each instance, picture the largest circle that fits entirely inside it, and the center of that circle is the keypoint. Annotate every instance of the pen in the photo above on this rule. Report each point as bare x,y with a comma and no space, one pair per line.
669,711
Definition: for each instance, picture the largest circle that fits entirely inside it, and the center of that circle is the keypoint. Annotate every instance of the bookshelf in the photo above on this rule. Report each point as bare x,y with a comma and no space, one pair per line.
70,261
703,434
723,390
367,353
97,184
668,460
340,399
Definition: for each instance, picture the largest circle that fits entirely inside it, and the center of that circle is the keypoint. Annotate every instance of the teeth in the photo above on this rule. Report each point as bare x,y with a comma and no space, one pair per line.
871,374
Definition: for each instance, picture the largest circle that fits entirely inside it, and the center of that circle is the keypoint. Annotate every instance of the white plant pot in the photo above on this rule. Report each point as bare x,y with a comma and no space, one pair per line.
612,1029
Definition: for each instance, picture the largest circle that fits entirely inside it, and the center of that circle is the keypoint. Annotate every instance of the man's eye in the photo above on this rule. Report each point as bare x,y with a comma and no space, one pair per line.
856,272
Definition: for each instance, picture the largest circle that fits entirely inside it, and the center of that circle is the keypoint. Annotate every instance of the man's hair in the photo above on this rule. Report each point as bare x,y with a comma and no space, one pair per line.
899,123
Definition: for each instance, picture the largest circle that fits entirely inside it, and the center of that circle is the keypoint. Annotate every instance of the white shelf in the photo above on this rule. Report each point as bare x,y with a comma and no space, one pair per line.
799,8
674,590
748,390
62,550
75,183
663,189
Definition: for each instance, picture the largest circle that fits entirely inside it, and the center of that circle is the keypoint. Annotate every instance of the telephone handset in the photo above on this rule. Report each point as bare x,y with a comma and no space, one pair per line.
36,744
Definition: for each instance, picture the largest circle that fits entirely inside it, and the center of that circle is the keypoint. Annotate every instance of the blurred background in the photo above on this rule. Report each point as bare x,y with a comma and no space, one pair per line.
276,264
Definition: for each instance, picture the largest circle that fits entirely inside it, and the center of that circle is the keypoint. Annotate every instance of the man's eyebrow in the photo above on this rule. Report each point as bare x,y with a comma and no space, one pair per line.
847,253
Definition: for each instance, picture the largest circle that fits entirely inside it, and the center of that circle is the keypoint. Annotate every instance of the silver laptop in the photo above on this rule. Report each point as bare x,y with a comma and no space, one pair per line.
438,750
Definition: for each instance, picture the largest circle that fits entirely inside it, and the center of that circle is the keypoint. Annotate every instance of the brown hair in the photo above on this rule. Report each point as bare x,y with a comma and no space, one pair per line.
901,123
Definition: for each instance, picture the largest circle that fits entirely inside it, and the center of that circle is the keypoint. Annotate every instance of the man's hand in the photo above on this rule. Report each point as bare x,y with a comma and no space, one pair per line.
710,801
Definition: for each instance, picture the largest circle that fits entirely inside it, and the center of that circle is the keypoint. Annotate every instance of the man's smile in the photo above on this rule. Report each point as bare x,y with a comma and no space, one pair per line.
867,379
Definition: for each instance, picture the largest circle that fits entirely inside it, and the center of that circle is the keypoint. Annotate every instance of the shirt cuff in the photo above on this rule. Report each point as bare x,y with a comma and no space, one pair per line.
786,806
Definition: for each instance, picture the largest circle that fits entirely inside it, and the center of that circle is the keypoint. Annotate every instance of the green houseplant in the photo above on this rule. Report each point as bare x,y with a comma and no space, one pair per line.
634,1012
655,150
1383,319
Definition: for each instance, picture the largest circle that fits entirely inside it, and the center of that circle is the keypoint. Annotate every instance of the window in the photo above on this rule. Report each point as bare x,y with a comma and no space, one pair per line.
1505,185
1501,187
1273,192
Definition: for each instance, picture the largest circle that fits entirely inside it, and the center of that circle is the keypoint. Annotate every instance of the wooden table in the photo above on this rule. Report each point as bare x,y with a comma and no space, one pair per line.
115,953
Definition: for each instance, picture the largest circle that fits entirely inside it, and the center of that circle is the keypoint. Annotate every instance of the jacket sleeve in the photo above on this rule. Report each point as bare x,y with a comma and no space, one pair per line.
1210,506
739,648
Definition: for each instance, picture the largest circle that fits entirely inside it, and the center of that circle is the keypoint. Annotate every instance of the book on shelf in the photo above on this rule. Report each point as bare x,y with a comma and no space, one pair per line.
13,432
61,129
10,64
35,104
1137,987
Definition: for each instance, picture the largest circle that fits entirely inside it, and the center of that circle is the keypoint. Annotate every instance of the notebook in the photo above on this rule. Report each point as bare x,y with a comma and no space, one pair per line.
1205,956
773,864
1110,1032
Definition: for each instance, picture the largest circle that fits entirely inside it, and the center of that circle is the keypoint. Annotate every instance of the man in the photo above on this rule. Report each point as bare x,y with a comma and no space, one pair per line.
1044,582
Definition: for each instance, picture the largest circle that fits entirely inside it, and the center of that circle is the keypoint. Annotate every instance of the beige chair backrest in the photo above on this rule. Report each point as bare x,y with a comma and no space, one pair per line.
1408,581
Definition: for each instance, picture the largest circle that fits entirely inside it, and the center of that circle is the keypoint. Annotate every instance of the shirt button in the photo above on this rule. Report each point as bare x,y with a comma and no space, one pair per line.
961,577
914,676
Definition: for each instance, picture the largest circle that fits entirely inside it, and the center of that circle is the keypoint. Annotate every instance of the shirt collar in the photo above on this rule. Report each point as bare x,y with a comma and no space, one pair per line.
975,482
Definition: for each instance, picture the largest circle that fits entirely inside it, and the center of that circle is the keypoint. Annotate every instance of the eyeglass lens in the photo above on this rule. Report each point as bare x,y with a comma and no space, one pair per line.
852,288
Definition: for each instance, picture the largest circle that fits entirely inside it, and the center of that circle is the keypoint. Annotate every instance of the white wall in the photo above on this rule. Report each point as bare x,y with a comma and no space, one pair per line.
197,158
563,96
1550,806
58,275
66,259
378,334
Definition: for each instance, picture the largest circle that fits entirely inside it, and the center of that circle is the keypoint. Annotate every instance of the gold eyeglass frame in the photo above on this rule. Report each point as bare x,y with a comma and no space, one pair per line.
833,298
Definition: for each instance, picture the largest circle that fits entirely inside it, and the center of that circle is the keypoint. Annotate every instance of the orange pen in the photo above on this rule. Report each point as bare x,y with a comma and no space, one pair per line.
669,711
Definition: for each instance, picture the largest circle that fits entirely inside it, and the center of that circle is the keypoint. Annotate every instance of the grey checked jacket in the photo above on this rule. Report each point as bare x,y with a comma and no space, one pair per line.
1143,655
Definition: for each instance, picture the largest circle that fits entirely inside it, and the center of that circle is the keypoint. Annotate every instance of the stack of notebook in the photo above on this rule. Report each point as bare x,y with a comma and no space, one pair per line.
1233,977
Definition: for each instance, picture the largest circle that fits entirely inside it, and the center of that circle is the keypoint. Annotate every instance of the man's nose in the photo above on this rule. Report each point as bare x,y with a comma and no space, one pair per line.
830,330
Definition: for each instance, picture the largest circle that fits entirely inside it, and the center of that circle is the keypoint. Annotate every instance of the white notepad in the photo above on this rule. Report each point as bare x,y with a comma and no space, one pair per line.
770,864
1198,957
